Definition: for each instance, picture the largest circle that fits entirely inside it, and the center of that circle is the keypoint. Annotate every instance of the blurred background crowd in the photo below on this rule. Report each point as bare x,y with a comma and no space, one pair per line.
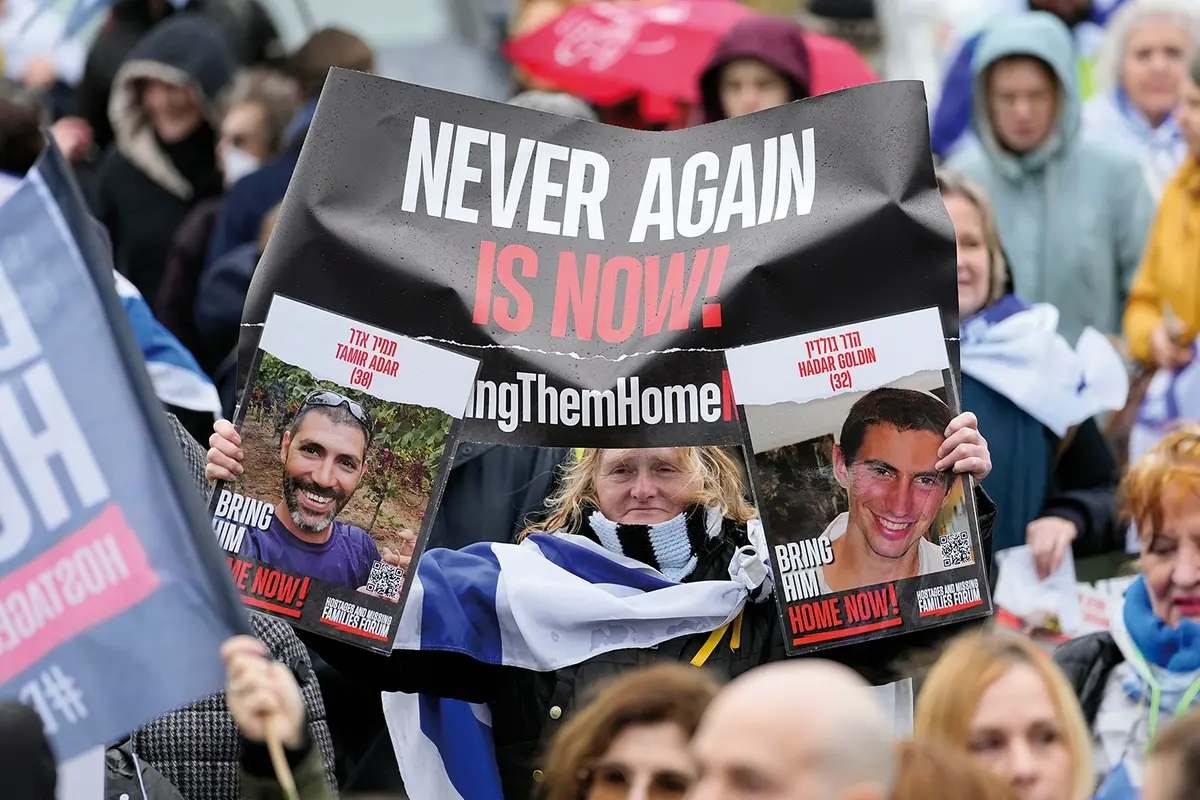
1066,134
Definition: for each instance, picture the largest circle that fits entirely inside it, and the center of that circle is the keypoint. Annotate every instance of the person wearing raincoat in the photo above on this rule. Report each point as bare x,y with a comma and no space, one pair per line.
1073,213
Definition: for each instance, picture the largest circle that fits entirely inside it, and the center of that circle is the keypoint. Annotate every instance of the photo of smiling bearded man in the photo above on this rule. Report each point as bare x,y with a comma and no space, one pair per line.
324,458
886,461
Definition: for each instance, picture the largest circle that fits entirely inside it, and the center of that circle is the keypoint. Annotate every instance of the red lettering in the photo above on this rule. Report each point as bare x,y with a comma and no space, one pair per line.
608,298
879,606
858,608
287,589
571,298
483,282
872,605
710,312
515,323
271,586
241,571
673,300
794,619
821,615
728,403
260,580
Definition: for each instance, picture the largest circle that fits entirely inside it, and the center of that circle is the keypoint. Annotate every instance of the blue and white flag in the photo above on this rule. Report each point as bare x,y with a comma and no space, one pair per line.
1015,349
550,602
114,598
177,377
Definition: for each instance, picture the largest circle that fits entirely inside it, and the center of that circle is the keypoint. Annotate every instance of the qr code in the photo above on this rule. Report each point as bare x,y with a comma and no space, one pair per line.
956,549
386,581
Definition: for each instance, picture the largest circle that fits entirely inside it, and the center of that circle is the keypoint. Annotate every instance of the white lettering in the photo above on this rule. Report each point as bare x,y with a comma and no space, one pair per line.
462,173
530,399
737,196
505,201
756,198
424,167
657,186
60,436
544,188
18,343
706,198
796,179
579,198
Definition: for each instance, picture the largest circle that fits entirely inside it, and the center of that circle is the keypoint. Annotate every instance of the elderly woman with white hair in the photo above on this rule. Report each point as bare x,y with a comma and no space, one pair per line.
1138,77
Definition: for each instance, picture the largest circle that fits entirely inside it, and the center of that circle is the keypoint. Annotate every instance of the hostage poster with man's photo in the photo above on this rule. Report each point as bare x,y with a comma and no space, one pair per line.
345,428
781,286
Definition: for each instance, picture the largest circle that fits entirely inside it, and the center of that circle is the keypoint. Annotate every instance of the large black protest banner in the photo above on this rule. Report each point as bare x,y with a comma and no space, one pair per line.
113,599
600,275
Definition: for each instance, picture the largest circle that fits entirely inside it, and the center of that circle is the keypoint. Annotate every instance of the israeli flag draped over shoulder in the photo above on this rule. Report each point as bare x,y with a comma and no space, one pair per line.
552,601
1014,348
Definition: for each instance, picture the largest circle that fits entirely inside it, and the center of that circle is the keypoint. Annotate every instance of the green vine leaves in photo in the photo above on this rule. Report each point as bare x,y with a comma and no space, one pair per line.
406,447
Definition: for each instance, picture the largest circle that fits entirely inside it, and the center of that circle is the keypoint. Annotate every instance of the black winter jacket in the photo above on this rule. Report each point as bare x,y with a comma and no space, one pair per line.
126,775
528,707
145,187
1087,663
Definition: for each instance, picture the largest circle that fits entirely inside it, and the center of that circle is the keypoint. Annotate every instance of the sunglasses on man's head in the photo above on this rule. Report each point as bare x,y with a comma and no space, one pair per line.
328,399
613,782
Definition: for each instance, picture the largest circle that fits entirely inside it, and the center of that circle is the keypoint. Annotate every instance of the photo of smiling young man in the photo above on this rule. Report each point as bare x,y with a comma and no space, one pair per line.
885,461
323,454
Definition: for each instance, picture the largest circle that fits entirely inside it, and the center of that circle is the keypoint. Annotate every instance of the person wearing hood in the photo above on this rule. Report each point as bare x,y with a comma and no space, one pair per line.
951,126
762,62
1073,213
1140,72
178,380
247,26
248,201
1053,473
1133,679
163,161
256,110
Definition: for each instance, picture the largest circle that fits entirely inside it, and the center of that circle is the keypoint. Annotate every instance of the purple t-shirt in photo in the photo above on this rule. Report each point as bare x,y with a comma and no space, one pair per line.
344,559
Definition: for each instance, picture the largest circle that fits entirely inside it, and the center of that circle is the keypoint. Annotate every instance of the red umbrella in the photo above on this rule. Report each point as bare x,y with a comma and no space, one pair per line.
835,64
608,52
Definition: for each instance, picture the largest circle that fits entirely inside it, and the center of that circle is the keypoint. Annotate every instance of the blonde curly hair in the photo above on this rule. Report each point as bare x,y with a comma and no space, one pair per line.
717,478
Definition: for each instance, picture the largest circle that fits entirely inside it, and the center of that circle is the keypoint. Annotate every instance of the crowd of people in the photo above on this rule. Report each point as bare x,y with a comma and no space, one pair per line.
1066,134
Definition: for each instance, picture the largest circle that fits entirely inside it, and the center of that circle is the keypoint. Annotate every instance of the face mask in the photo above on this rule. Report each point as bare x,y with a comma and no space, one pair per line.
238,164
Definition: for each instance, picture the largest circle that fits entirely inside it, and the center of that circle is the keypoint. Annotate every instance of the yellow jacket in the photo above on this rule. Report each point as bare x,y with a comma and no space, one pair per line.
1169,274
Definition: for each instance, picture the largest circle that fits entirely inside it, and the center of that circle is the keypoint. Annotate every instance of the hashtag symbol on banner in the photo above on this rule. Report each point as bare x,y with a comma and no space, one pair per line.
62,696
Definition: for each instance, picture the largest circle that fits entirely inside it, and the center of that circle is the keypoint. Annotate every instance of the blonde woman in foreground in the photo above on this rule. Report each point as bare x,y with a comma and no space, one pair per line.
1001,700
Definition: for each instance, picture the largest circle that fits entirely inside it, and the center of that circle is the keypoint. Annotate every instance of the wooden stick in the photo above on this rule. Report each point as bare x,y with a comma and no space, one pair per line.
283,773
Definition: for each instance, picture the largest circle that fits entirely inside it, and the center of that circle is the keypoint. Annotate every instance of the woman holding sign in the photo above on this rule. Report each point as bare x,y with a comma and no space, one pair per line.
646,555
